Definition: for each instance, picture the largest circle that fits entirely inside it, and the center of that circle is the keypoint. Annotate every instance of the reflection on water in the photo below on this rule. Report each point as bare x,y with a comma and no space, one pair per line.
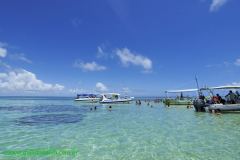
48,114
50,119
45,108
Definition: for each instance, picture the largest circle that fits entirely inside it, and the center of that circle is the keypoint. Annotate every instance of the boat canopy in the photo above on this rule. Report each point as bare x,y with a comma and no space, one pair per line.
206,88
180,91
221,87
111,94
86,95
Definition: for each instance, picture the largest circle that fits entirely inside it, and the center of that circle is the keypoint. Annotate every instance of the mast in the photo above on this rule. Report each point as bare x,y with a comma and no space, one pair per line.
199,91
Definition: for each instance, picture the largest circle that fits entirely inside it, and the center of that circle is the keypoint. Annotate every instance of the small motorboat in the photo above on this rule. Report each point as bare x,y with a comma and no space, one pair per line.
209,105
224,107
179,100
88,98
114,98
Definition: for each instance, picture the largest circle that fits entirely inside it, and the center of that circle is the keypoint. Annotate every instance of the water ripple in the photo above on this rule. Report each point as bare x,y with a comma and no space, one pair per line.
50,119
45,108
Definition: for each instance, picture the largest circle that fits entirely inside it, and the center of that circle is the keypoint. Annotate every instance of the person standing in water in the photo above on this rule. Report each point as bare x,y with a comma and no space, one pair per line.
220,99
237,96
231,97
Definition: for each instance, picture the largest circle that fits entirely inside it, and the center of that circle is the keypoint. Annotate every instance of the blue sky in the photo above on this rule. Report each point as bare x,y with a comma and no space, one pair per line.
139,47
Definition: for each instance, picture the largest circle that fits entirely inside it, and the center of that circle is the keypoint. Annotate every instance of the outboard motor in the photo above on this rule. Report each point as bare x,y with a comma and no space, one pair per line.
199,105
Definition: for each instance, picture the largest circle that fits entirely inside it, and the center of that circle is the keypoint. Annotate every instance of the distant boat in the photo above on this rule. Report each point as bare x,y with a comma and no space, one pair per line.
201,104
184,101
180,100
114,98
91,98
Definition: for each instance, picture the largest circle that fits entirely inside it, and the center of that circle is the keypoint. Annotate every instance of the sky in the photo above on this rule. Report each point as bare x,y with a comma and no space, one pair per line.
137,47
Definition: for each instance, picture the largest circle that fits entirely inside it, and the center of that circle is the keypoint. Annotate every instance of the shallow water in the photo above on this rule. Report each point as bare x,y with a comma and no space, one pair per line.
41,128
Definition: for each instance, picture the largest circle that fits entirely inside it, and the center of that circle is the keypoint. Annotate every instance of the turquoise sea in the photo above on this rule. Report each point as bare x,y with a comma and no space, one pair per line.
59,128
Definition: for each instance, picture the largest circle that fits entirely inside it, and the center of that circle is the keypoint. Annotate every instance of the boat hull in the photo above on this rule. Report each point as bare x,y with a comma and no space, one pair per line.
224,108
201,106
115,101
177,102
87,100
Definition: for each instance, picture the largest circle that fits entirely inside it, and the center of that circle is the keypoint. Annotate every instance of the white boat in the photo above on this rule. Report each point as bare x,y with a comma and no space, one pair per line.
88,98
114,98
179,100
224,107
202,105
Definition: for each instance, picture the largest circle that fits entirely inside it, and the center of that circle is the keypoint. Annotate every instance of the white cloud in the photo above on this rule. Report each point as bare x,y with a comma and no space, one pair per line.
237,62
22,80
216,4
218,65
76,90
100,52
127,57
3,52
5,65
101,87
20,57
236,84
3,44
103,53
89,66
81,90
